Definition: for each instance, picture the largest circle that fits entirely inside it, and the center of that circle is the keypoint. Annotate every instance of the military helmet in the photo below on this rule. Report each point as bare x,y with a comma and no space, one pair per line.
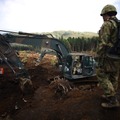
108,9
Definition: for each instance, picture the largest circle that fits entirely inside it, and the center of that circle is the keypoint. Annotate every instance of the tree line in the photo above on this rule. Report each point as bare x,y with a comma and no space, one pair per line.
81,44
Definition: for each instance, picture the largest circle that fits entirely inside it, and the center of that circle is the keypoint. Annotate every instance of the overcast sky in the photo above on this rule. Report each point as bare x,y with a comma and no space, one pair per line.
53,15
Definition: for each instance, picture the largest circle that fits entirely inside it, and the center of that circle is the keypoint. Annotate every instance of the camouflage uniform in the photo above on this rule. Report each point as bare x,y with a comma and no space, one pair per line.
108,70
108,66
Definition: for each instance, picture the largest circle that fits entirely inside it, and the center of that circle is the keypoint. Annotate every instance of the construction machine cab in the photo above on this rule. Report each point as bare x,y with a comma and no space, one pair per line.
79,65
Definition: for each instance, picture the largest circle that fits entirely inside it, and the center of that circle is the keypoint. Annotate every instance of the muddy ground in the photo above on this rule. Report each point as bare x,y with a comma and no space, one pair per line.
47,102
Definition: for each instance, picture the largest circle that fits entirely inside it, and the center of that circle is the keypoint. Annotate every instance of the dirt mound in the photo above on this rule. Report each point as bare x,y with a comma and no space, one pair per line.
80,102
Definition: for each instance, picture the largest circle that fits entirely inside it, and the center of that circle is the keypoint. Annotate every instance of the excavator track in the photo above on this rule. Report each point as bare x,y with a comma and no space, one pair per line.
87,80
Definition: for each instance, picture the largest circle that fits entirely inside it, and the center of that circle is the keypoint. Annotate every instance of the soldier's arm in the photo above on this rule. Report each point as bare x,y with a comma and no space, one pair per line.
105,33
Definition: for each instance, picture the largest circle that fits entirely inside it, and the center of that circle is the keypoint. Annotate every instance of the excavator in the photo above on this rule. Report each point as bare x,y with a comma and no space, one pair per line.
73,65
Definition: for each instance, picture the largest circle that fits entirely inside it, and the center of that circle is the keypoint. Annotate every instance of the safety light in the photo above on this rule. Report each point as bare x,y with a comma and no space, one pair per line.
1,71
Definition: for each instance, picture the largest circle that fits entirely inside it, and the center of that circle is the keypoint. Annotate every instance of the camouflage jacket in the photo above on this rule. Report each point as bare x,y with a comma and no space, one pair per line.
107,36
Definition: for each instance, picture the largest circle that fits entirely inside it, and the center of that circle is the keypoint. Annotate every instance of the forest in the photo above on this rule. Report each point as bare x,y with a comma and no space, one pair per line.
78,41
81,44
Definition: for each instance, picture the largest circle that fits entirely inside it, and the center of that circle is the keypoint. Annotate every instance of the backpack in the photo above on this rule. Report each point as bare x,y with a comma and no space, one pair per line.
114,52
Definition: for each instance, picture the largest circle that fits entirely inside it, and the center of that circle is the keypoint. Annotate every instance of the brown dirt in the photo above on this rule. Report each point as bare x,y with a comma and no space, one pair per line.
80,103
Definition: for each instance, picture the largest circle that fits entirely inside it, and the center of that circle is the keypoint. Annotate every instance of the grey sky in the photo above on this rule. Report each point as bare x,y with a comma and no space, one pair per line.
53,15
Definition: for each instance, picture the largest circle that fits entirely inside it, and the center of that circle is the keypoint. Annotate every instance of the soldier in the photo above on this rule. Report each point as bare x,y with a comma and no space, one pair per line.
108,68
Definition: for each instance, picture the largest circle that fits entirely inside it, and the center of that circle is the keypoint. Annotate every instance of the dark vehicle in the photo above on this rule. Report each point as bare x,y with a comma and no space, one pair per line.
79,65
73,65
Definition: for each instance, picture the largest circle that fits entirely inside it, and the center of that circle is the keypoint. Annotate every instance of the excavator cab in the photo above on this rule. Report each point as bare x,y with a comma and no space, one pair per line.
79,65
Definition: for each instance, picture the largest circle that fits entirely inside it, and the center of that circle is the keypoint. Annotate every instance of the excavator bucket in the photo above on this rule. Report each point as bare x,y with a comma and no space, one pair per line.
9,57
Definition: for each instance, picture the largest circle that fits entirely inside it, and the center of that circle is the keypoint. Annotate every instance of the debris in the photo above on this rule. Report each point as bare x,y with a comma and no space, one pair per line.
61,86
16,106
24,100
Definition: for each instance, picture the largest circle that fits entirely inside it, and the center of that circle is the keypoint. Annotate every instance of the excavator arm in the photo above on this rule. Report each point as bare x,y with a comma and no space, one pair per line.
9,57
39,41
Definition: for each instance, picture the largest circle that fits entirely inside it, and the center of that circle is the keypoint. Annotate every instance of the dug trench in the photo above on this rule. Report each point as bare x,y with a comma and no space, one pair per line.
49,101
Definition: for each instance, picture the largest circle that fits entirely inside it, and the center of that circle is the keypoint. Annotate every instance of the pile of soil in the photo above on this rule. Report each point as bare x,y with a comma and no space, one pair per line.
81,102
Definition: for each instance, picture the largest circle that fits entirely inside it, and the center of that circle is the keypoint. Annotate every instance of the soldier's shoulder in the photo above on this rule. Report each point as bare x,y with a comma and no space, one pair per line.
107,24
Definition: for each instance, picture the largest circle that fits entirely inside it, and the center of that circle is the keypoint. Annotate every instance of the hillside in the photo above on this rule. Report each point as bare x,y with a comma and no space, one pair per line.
66,34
